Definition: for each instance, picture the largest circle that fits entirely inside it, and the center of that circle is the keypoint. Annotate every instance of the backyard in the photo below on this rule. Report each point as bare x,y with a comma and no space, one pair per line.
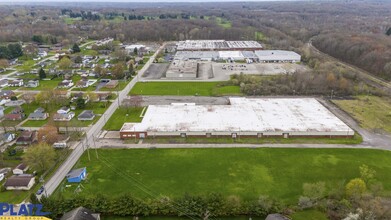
247,173
184,88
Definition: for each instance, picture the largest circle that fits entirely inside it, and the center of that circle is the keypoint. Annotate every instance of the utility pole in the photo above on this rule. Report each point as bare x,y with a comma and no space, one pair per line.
332,91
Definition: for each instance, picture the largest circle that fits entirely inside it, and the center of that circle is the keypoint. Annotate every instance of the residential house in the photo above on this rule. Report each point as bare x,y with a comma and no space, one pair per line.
78,95
63,117
76,65
77,175
52,71
15,103
112,84
38,114
16,114
7,94
13,61
61,143
103,96
86,115
4,172
20,169
3,83
80,213
65,84
2,70
83,83
32,83
14,117
34,71
42,53
27,138
64,110
20,182
8,137
63,93
16,83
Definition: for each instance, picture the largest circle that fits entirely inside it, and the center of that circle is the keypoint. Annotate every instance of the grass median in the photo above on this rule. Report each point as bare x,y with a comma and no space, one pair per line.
184,89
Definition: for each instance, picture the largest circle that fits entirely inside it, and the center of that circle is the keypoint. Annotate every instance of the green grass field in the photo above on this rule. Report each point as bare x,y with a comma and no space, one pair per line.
184,88
45,84
31,123
119,118
259,36
370,111
223,22
247,173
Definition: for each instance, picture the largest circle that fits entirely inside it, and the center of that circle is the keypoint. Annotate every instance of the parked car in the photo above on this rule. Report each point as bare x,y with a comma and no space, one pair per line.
40,190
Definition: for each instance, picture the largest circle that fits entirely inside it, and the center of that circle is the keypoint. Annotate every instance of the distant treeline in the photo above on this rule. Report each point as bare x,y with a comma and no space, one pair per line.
369,52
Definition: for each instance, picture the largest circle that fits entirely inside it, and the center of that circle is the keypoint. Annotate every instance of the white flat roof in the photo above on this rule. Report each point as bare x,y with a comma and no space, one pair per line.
243,114
231,54
216,44
277,55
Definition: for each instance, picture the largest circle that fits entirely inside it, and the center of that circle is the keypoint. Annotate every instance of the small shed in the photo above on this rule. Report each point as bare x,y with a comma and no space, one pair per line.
77,175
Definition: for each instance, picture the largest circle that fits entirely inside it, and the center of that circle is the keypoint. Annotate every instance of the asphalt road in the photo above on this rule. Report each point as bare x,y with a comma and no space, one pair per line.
92,134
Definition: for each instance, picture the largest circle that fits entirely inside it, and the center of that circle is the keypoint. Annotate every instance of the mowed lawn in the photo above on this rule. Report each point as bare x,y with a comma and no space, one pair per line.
184,88
247,173
370,111
122,115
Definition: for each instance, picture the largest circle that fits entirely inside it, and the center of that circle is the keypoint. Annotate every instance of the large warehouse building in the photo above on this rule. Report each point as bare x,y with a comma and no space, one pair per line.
276,56
256,117
263,56
205,45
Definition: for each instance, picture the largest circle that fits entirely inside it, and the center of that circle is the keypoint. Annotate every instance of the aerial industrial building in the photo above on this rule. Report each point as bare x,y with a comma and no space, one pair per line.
218,45
276,56
182,69
256,117
264,56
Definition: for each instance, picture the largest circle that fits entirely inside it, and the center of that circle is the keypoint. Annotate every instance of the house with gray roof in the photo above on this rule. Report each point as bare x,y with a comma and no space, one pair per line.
80,213
86,115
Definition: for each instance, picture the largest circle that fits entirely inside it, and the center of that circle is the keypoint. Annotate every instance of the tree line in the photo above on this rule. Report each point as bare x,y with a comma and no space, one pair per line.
372,53
11,51
198,206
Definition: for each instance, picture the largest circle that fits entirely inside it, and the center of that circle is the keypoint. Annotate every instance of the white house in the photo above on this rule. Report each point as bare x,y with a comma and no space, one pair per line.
20,169
20,182
63,117
2,176
63,110
42,53
32,83
65,84
8,137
